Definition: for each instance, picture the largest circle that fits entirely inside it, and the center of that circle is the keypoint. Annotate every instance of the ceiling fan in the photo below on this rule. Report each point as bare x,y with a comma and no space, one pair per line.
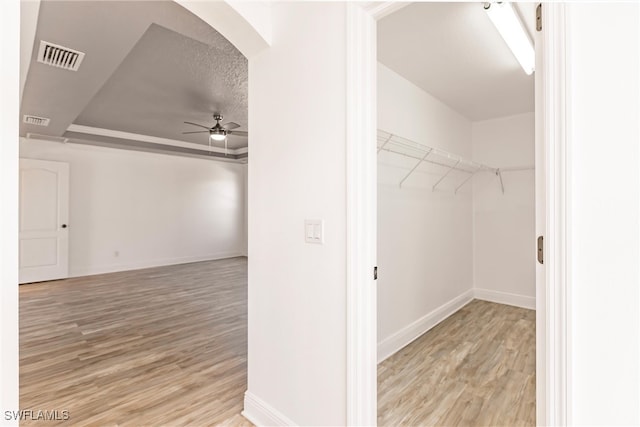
219,132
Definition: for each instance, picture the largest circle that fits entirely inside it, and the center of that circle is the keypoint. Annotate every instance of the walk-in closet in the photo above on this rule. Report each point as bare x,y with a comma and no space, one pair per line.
456,217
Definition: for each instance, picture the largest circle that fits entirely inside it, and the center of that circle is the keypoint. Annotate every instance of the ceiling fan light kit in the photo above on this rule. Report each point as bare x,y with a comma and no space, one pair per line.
217,136
506,21
219,132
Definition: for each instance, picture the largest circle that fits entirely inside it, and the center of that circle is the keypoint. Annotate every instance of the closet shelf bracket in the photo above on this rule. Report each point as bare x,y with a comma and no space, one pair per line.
414,167
499,175
385,143
445,175
471,175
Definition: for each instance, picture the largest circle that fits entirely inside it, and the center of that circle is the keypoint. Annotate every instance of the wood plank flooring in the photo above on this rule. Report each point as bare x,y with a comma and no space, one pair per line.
476,368
161,346
167,346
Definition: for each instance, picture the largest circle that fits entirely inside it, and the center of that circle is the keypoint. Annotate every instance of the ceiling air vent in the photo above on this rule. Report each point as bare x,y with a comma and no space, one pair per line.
59,56
35,120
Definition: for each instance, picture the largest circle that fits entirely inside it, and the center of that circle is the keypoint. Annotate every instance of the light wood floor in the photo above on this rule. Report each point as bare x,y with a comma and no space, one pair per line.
161,346
167,346
476,368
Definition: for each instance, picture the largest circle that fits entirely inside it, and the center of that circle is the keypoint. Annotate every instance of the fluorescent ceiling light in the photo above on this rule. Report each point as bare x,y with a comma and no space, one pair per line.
513,32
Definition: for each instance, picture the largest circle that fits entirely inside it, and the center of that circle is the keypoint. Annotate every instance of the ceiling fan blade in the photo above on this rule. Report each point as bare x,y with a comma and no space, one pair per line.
195,124
197,131
238,133
230,125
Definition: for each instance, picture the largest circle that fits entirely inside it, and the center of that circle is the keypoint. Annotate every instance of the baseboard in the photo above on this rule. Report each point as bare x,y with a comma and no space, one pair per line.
261,413
409,333
505,298
90,271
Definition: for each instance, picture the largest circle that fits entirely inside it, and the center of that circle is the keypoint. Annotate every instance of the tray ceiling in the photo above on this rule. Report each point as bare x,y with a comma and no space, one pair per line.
148,67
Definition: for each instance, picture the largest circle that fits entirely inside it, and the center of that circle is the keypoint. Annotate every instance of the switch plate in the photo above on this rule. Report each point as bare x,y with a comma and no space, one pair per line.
314,231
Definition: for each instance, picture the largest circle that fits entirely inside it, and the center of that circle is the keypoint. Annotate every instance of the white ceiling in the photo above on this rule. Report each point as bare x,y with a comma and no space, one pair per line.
149,66
453,51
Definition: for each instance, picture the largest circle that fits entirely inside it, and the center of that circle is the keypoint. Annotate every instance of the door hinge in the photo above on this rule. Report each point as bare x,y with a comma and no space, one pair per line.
539,17
375,273
541,249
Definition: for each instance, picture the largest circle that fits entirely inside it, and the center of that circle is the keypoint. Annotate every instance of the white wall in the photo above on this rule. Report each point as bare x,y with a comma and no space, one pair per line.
604,237
297,291
9,111
132,209
504,224
424,238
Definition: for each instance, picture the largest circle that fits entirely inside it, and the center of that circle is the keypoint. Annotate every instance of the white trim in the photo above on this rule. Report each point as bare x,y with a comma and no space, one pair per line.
362,208
361,176
415,330
379,10
555,85
505,298
114,268
151,139
261,413
540,207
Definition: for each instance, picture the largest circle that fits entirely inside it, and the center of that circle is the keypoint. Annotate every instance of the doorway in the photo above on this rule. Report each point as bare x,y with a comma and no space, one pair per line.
551,329
456,219
158,222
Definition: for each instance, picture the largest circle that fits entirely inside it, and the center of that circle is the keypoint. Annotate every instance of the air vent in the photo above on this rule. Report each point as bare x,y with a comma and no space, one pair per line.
59,56
35,120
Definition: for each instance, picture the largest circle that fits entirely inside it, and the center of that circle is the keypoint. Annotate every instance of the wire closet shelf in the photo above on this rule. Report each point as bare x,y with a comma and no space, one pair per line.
451,162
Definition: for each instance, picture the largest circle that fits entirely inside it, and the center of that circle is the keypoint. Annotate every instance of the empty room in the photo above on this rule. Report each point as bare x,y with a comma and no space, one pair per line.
414,255
456,218
133,268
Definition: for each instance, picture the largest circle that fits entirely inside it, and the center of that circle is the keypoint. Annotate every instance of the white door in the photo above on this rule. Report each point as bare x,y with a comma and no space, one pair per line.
44,214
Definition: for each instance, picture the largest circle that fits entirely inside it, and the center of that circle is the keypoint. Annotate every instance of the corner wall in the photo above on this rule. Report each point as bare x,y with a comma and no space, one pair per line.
130,210
438,250
425,238
504,249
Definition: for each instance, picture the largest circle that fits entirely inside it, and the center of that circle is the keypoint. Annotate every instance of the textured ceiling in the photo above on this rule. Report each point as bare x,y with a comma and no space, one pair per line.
453,51
168,78
149,66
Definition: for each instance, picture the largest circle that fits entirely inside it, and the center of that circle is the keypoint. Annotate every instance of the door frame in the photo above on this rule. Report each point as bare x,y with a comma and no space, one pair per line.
553,327
552,324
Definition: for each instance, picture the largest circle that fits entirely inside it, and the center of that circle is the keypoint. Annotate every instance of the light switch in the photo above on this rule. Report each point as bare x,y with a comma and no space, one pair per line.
314,231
